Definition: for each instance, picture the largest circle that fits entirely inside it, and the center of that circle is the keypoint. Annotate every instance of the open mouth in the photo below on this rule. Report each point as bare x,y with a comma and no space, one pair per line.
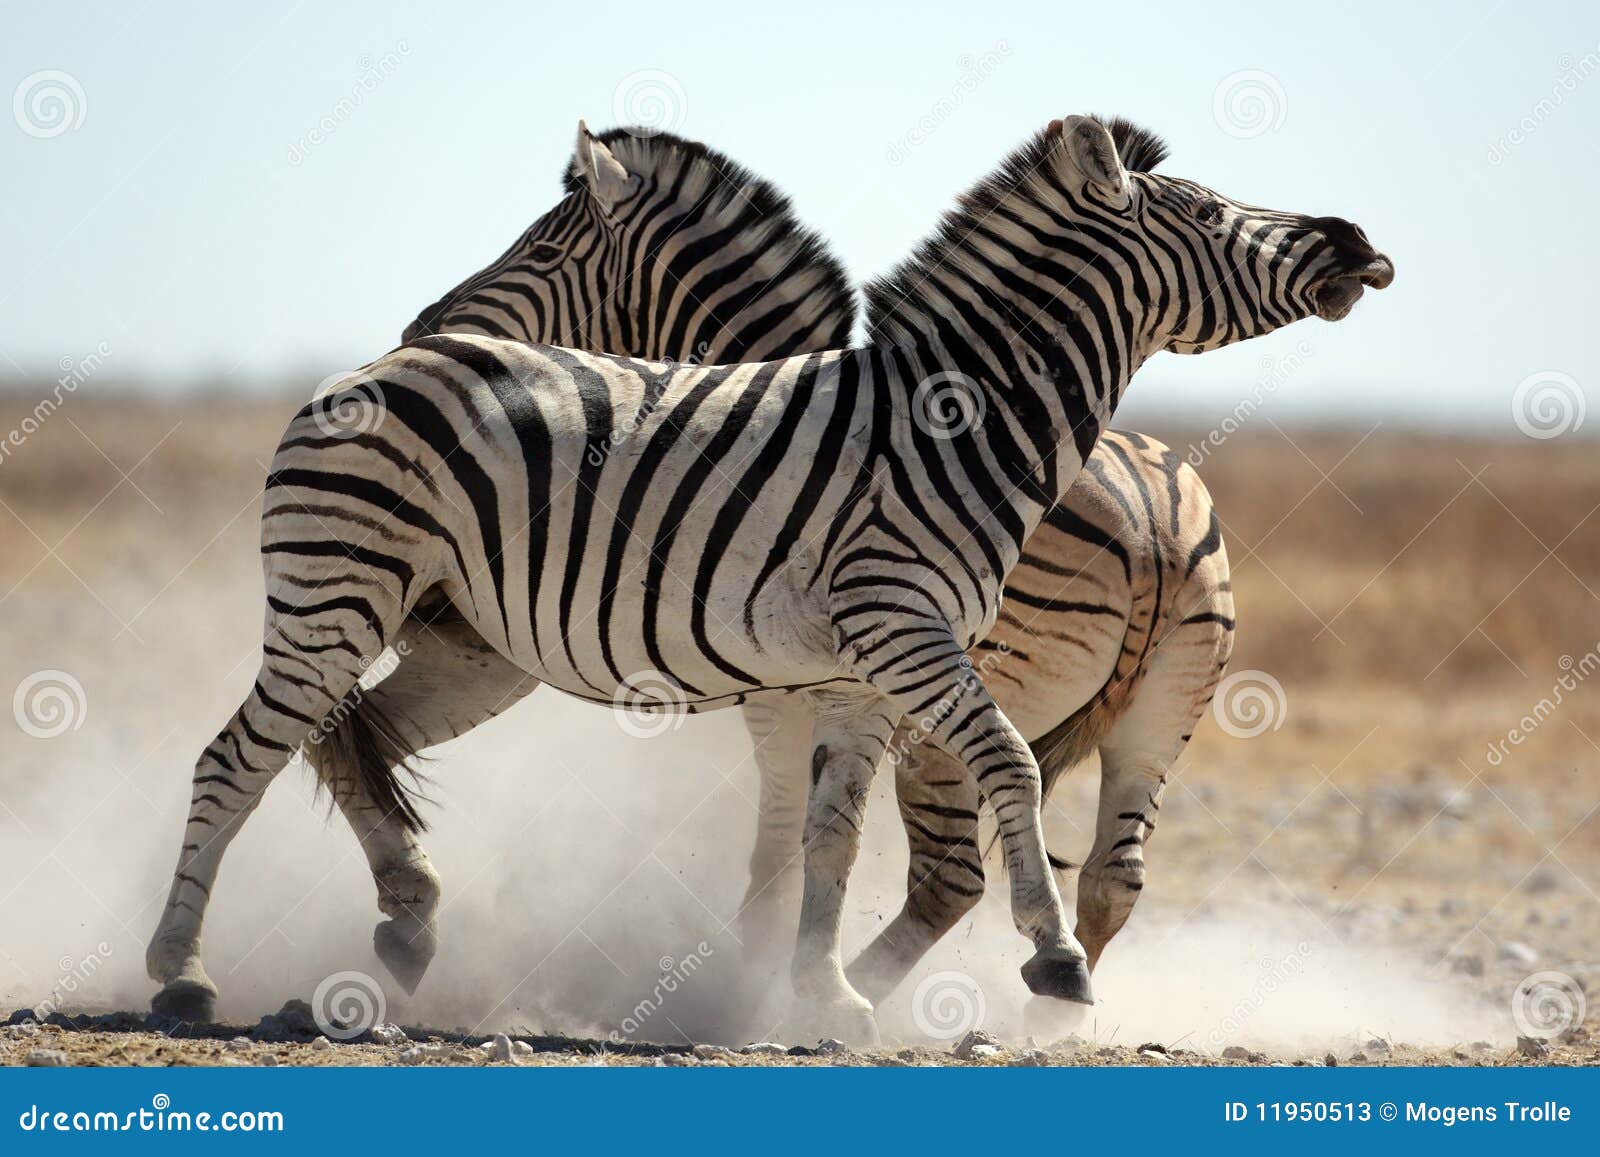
1337,296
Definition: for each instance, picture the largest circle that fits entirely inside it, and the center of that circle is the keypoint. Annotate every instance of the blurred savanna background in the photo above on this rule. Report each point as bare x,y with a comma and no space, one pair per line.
1384,841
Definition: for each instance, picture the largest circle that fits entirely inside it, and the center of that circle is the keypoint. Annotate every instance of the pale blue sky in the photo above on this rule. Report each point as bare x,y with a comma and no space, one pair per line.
181,224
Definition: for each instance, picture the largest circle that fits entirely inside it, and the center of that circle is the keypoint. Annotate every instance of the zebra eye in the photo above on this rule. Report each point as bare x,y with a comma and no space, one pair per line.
1209,212
545,253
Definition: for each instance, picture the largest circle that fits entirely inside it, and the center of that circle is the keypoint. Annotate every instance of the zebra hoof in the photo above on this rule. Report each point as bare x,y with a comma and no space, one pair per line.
406,948
846,1019
187,1000
1051,973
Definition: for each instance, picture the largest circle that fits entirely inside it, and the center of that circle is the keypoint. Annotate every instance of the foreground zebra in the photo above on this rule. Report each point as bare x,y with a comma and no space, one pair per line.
786,526
1116,622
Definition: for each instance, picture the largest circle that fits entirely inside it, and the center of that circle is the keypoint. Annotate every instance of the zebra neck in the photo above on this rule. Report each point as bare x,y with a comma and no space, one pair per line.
1034,401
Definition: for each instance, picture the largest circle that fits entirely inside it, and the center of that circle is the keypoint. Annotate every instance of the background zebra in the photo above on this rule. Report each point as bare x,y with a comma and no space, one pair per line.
804,498
1122,595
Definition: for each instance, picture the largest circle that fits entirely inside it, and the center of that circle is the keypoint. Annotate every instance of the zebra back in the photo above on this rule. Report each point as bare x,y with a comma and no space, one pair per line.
665,249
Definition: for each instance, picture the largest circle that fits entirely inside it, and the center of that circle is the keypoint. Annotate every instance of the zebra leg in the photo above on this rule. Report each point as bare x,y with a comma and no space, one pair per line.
448,681
781,727
939,807
851,733
1131,786
311,663
957,712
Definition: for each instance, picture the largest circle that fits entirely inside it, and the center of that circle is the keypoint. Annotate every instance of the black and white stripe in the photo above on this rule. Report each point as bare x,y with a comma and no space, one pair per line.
789,525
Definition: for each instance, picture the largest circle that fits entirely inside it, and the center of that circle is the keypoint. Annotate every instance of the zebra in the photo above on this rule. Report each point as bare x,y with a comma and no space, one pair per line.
827,543
1121,597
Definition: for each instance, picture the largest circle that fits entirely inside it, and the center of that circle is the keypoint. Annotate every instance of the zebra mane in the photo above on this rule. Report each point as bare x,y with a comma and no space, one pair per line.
754,212
1140,149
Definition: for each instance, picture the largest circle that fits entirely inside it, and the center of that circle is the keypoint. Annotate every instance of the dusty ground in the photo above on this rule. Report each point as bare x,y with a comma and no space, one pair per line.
1383,863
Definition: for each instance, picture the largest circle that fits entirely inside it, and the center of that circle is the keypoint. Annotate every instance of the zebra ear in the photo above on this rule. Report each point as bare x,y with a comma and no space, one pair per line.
1093,154
606,178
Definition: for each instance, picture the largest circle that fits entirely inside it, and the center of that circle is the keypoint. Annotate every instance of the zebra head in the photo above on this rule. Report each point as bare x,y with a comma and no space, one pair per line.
662,248
1221,270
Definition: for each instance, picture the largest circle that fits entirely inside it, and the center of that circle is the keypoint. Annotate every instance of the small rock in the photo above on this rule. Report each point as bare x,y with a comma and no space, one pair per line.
416,1054
711,1052
1532,1047
1331,1061
389,1034
801,1051
1378,1045
238,1044
23,1016
1034,1058
674,1060
1257,1058
983,1052
1481,1046
500,1049
1154,1057
1154,1047
764,1048
522,1048
321,1045
1517,952
1542,880
1576,1035
831,1048
22,1031
270,1061
1235,1053
964,1047
1358,1058
47,1059
907,1054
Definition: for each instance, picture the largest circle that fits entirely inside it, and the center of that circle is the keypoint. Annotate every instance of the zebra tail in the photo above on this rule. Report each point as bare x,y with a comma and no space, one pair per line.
366,750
